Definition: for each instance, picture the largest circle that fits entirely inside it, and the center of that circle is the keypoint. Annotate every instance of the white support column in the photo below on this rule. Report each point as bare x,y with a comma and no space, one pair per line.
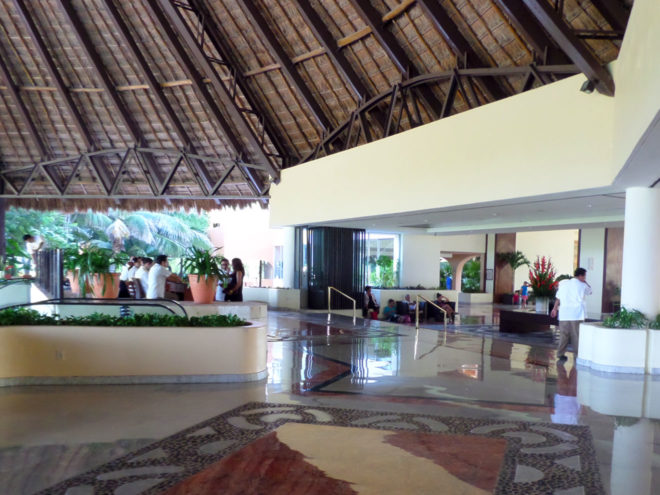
289,257
640,283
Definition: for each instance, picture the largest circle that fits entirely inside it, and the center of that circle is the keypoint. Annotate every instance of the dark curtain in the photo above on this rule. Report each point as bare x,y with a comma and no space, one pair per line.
333,257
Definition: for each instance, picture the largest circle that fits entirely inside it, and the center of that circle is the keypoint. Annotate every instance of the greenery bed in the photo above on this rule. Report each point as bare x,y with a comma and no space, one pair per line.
22,316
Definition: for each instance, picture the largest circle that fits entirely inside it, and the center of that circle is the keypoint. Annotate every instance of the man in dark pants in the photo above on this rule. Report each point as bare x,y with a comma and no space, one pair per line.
571,306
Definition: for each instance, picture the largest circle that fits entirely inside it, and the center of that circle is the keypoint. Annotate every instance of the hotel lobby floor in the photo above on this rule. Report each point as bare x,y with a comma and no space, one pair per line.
370,408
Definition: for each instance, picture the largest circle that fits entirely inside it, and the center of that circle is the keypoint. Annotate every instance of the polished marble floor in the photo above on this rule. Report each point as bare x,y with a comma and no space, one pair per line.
470,373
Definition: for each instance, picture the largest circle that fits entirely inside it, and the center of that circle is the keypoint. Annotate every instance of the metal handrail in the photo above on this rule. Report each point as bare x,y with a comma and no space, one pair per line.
131,301
417,298
106,302
330,289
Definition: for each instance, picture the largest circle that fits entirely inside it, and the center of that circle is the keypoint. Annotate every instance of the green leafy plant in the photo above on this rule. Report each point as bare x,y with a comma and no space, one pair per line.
471,278
626,318
655,324
515,259
385,275
201,262
93,261
23,316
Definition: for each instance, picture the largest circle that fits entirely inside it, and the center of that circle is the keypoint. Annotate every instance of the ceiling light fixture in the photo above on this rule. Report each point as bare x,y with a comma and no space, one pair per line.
588,87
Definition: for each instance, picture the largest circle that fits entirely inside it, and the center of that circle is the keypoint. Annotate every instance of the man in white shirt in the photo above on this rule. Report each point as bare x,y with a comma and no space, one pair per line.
572,309
141,277
159,273
32,245
127,274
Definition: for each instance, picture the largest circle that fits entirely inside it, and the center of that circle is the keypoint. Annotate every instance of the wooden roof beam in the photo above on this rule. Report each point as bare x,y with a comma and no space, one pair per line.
526,24
398,56
22,110
205,180
614,12
213,33
62,90
87,46
287,67
170,13
572,46
323,34
460,45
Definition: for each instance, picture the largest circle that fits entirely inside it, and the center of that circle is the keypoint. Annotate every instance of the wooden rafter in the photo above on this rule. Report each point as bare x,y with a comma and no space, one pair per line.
572,46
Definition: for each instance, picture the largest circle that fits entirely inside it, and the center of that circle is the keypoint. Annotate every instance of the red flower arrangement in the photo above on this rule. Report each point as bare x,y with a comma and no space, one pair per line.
542,278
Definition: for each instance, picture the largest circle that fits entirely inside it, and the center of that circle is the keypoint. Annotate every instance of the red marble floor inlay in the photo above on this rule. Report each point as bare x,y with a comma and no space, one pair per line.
263,466
320,459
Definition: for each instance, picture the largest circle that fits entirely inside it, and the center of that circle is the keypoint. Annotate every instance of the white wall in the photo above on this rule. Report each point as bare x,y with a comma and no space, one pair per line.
556,244
556,127
592,258
420,255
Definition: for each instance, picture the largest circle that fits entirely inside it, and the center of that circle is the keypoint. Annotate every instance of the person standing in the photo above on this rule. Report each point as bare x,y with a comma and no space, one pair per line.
571,307
127,274
141,277
159,273
524,294
234,290
225,273
370,307
32,244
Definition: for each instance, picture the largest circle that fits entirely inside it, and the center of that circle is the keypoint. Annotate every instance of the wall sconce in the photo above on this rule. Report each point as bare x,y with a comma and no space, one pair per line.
588,87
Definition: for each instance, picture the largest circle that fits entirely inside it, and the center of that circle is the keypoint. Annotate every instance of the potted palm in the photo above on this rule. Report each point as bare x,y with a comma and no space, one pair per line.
95,266
71,260
203,269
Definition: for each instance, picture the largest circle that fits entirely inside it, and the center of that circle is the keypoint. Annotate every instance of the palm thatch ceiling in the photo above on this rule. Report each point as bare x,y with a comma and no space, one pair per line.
140,103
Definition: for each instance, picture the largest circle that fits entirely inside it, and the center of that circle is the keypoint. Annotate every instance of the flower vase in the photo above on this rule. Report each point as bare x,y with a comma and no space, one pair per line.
542,305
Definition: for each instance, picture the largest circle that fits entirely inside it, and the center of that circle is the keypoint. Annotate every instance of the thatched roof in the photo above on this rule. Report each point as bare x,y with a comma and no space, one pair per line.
108,102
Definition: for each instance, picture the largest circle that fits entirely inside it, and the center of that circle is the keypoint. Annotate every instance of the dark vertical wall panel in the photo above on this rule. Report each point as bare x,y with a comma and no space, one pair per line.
335,258
613,268
504,243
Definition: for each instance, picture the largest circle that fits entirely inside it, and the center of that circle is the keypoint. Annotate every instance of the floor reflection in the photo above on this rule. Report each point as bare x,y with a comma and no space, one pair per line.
469,371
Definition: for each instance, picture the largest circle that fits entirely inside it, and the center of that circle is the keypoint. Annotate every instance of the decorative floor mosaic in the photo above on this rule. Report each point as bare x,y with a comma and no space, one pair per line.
284,448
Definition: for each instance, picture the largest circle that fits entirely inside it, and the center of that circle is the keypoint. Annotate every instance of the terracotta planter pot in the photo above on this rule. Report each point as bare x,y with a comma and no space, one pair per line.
202,288
74,281
105,285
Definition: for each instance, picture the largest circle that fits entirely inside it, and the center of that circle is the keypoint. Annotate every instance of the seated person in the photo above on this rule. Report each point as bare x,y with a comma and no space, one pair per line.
516,297
370,307
443,303
411,304
390,313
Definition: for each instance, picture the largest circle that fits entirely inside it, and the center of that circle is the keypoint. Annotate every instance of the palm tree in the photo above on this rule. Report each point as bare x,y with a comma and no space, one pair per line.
515,259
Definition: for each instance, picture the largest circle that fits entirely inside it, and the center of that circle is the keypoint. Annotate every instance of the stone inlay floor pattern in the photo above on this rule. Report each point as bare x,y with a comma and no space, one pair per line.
539,458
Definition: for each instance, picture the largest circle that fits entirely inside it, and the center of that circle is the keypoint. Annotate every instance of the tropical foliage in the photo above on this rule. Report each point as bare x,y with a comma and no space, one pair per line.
382,272
22,316
471,277
201,262
627,318
542,278
515,259
137,233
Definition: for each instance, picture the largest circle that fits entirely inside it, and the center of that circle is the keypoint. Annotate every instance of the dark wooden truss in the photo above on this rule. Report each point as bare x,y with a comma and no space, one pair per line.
65,173
211,99
399,97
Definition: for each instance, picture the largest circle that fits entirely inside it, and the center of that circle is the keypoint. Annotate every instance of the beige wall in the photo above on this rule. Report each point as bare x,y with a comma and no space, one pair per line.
68,351
637,77
420,255
556,244
470,155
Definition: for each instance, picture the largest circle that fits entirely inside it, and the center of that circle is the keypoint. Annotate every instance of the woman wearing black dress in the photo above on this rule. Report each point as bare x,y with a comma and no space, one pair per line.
234,291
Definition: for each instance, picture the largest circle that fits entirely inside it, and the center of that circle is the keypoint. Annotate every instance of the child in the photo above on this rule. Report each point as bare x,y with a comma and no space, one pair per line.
524,294
516,298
